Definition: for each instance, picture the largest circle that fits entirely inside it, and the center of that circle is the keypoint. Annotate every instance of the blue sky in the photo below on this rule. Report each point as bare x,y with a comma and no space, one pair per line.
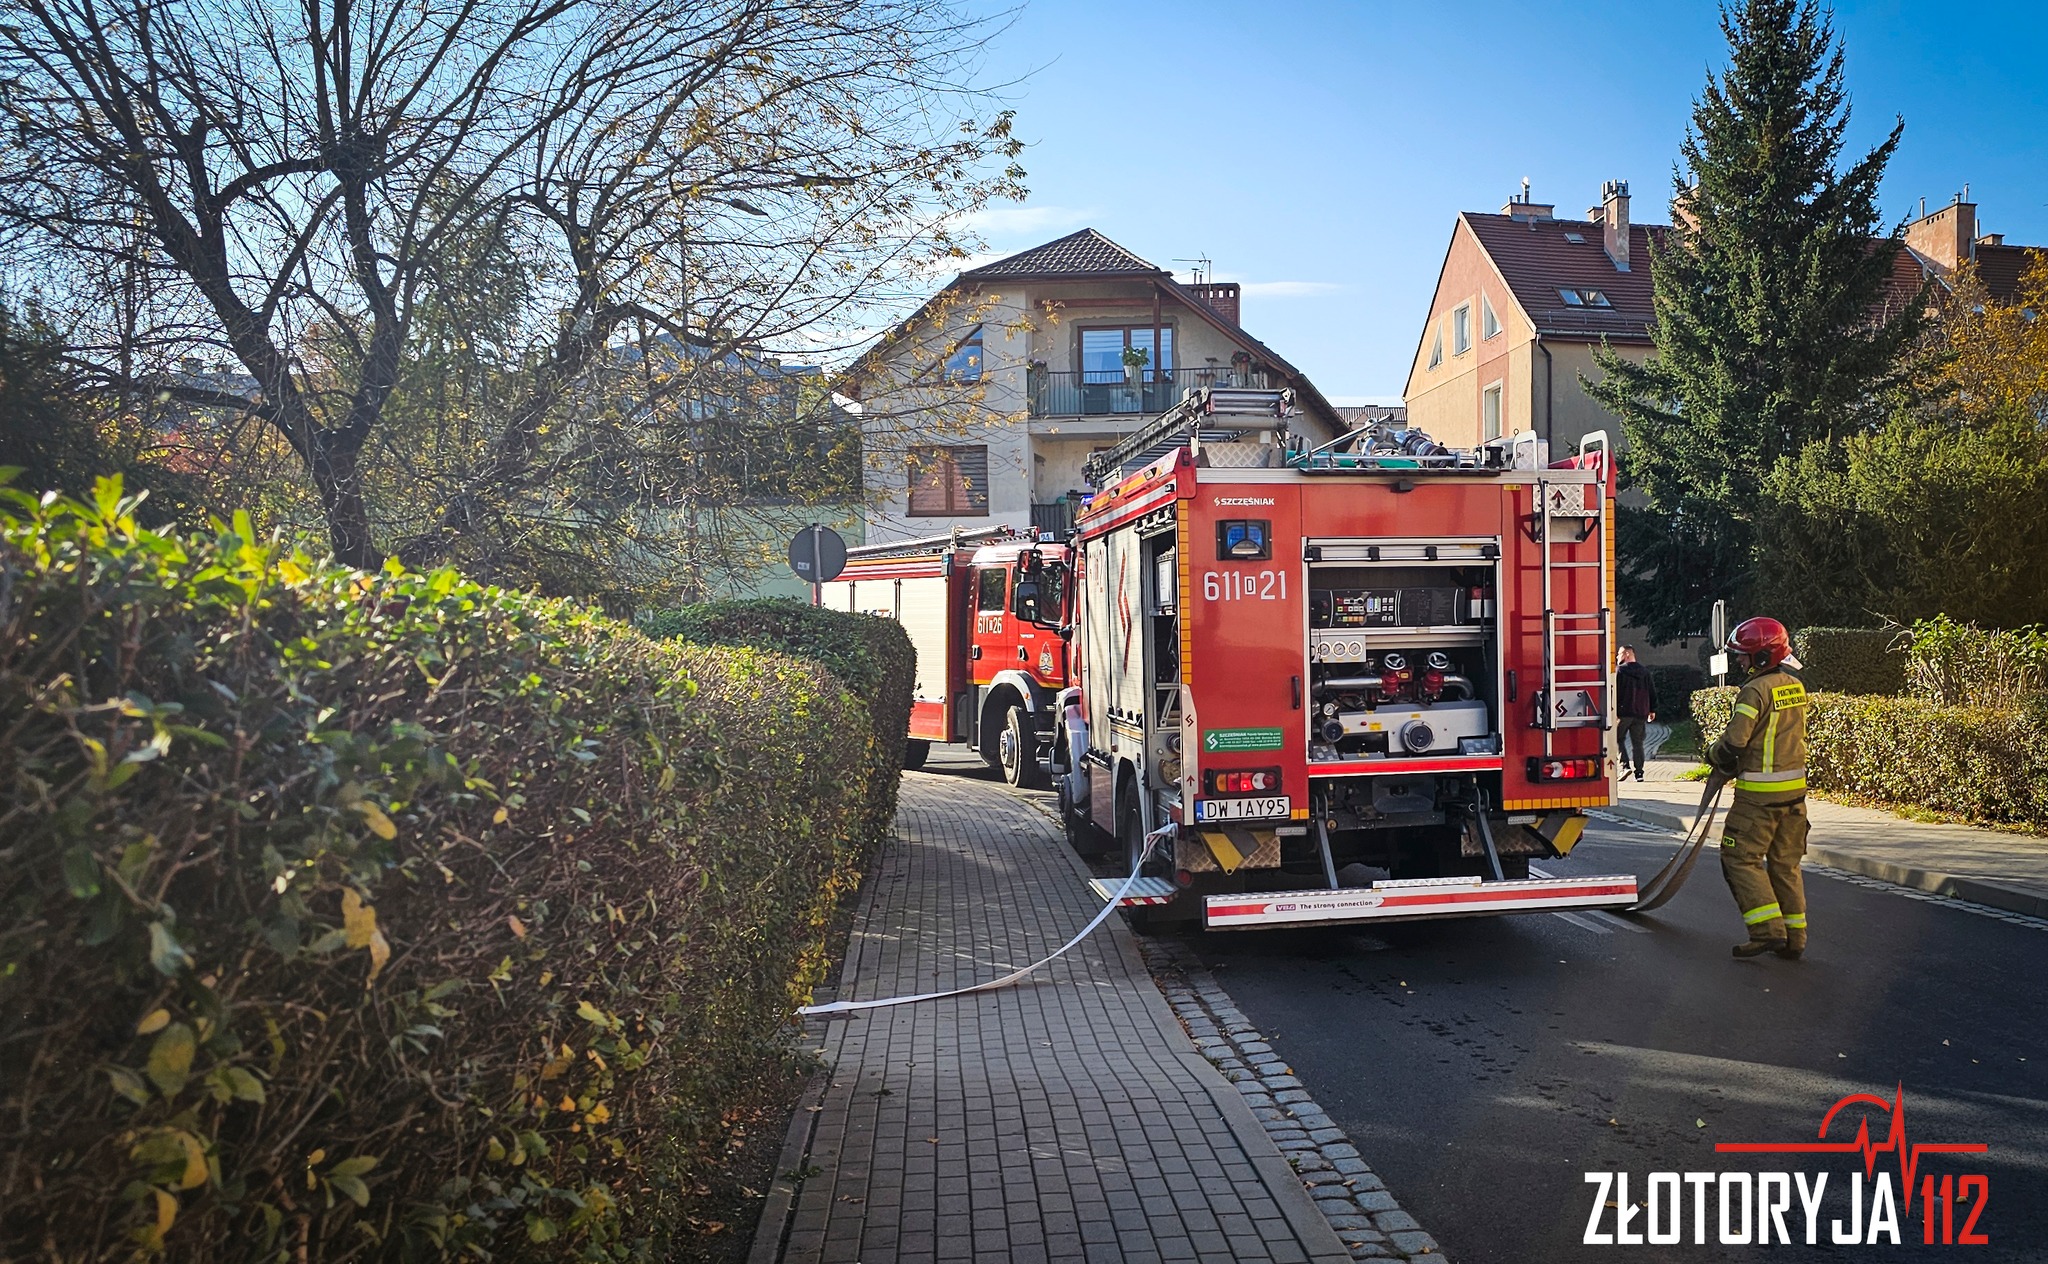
1320,152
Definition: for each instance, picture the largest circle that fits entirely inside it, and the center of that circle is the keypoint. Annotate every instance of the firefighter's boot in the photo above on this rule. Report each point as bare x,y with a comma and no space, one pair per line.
1745,847
1758,947
1795,937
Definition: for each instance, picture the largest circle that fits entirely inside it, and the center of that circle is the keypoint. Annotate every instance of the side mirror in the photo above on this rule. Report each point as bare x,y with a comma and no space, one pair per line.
1025,598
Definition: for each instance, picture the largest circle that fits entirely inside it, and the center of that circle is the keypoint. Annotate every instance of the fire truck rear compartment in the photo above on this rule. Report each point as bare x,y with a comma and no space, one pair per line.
1401,662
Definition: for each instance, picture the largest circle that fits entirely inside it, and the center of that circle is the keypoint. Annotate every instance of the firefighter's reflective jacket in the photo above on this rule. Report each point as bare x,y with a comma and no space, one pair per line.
1764,745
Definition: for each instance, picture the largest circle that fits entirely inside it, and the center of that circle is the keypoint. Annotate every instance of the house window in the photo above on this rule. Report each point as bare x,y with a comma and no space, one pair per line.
949,481
1102,352
1584,298
1489,324
1595,298
1571,298
1575,239
1461,330
989,600
1436,348
964,365
1489,411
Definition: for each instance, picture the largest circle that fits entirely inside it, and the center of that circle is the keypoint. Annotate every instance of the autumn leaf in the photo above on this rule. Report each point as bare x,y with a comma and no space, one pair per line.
358,920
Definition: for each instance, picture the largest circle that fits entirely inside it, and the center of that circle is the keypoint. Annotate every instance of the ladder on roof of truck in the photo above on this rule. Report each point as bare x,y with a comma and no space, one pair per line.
1565,673
1209,414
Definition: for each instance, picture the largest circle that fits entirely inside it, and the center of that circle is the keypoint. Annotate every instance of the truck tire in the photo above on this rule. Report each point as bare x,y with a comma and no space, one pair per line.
915,751
1017,751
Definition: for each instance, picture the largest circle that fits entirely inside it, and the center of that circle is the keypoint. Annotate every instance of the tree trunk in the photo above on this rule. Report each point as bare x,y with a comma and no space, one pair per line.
341,497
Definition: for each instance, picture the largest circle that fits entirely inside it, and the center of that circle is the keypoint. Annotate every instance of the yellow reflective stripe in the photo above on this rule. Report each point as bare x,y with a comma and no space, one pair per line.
1773,787
1797,921
1771,742
1764,914
1743,708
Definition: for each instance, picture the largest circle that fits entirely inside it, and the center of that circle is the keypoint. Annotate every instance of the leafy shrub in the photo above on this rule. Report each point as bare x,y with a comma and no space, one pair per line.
872,657
1981,763
1960,664
1851,660
351,917
1674,684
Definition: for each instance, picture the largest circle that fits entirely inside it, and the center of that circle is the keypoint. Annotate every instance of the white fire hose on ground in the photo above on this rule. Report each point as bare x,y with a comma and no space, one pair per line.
1152,842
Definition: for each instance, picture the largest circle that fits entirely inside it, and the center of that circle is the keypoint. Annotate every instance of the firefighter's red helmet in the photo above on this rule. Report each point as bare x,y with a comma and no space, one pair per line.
1763,641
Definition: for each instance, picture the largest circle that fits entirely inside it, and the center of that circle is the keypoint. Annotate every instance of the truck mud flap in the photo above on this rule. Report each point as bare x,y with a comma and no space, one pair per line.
1417,898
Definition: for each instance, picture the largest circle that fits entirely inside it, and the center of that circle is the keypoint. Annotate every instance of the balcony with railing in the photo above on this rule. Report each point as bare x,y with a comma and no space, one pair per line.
1093,393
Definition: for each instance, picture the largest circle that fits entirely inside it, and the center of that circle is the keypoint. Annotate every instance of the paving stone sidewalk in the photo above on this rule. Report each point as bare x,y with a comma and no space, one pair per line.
1067,1118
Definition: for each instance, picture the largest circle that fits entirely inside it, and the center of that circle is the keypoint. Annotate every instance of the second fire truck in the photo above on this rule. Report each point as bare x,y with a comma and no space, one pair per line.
1364,682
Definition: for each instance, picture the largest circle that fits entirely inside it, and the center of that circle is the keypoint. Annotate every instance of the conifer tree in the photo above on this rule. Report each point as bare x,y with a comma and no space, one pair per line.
1775,320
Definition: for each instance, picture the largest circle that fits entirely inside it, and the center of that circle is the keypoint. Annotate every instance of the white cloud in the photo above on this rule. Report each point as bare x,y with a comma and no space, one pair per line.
1021,221
1289,289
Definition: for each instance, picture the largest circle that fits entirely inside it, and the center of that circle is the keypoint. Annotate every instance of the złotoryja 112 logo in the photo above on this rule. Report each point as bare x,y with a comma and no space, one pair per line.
1856,1204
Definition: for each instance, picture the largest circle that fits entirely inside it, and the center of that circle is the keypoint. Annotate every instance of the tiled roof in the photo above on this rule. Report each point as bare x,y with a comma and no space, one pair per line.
1083,254
1537,260
1999,267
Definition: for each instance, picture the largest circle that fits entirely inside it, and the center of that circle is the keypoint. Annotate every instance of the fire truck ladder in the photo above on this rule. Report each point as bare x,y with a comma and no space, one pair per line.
1210,414
1565,632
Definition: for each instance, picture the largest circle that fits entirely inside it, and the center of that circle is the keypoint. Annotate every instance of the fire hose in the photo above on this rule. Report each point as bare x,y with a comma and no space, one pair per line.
1666,881
1152,841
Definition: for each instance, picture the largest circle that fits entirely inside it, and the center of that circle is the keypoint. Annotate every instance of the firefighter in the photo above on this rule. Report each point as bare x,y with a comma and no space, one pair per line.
1763,750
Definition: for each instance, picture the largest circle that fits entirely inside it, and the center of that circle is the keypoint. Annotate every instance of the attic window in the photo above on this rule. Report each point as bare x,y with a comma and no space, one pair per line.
1584,298
1436,349
1596,299
1576,239
964,364
1489,324
1571,298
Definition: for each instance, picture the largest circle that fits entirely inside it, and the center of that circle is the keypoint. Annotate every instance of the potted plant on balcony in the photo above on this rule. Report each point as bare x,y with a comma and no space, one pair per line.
1135,359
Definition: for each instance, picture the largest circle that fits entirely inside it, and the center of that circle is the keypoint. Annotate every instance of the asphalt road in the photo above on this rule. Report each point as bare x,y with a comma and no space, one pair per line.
1483,1067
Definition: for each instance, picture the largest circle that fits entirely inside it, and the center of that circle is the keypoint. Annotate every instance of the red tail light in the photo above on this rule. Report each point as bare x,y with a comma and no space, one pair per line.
1558,769
1219,781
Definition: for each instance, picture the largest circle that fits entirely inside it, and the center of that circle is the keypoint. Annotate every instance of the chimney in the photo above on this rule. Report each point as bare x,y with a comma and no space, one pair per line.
1613,219
1523,209
1222,297
1947,237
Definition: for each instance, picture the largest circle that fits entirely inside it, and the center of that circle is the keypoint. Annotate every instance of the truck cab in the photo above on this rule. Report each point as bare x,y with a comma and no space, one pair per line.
1016,654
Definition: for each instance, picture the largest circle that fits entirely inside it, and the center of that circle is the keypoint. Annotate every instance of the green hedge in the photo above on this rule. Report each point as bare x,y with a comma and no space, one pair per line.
1851,660
1983,764
1675,684
348,917
1961,664
872,657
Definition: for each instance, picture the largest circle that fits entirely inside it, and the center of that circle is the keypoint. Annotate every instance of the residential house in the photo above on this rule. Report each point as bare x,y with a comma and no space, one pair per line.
1942,241
1522,302
981,409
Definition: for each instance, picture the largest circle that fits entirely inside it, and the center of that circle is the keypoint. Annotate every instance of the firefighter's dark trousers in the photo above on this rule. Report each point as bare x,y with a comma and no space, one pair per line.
1760,851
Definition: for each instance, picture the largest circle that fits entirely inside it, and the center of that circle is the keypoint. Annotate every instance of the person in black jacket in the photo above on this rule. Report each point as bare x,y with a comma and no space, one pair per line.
1635,695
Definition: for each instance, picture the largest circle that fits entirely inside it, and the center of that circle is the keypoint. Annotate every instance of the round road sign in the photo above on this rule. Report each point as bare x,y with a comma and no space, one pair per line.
817,554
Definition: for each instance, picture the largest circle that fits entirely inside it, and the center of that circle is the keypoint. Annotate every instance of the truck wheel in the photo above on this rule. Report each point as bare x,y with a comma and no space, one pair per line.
1017,751
1087,841
915,751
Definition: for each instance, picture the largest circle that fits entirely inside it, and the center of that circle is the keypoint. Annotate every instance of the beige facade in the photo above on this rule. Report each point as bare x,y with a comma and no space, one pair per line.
1050,387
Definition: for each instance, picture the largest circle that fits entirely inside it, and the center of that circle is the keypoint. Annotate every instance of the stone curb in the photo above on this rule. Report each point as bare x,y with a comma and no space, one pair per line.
1355,1202
1932,881
772,1230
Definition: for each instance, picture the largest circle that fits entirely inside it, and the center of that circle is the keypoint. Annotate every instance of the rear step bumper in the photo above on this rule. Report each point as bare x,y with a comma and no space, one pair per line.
1417,898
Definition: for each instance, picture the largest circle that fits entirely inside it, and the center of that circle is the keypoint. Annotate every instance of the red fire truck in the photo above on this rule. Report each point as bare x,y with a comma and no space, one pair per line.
983,609
1367,681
